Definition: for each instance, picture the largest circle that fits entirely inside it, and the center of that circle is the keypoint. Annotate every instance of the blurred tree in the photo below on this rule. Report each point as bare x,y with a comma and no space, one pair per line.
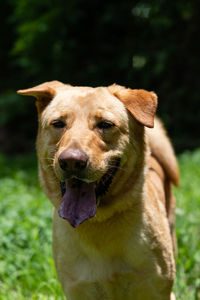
141,44
7,38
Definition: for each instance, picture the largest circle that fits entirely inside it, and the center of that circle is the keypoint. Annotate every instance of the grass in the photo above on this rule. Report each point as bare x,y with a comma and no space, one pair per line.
26,265
187,286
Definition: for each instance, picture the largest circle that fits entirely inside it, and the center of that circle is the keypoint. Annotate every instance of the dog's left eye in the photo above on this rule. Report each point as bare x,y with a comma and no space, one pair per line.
58,124
105,125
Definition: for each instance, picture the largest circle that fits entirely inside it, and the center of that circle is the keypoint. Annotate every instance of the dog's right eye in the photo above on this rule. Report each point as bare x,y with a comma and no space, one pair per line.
105,124
58,124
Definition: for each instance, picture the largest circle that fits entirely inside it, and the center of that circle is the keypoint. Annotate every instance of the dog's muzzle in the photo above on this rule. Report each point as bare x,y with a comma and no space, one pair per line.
79,201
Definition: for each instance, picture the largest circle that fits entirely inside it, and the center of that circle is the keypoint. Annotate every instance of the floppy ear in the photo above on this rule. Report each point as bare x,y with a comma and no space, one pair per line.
44,93
140,103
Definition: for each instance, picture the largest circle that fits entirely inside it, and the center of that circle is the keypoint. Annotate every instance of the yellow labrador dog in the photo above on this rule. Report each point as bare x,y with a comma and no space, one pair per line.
109,178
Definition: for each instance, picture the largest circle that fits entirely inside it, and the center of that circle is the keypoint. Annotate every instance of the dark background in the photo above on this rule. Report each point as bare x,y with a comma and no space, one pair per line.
140,44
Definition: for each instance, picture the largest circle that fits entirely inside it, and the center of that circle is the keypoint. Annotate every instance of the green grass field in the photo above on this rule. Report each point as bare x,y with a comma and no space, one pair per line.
26,265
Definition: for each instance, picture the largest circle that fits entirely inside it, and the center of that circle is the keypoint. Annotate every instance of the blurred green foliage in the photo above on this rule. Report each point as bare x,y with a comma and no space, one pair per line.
141,44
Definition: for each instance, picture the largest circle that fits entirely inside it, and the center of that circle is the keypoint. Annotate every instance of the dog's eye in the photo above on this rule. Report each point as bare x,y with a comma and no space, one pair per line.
105,125
58,124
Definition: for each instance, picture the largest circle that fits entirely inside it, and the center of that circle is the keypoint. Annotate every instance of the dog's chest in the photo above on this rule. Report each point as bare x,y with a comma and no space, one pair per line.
98,267
103,272
99,277
108,279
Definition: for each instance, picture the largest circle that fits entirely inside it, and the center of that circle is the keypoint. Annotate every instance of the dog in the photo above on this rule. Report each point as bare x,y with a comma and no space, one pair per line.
109,175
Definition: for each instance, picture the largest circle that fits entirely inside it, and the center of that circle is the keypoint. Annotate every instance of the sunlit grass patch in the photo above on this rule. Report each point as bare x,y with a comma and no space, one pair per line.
188,227
26,264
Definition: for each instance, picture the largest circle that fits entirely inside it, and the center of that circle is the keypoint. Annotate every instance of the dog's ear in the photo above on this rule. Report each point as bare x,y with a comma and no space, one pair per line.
140,103
44,93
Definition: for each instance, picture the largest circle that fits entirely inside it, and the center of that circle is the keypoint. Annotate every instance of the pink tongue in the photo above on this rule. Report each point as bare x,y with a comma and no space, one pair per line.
78,203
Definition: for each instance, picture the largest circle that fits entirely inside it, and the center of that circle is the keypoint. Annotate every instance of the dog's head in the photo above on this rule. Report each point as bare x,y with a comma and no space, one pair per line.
87,136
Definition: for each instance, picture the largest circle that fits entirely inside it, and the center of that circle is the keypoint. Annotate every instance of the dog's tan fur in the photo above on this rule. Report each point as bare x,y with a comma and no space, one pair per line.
126,250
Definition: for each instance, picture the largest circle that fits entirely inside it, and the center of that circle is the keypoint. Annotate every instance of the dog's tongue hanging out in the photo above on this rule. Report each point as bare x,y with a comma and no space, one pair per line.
78,203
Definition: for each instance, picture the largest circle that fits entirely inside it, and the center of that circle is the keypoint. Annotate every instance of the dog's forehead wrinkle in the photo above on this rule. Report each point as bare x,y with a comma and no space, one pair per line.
96,102
90,95
81,92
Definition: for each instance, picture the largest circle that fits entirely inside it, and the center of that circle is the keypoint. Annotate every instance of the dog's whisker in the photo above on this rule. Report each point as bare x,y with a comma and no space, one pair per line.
47,158
50,166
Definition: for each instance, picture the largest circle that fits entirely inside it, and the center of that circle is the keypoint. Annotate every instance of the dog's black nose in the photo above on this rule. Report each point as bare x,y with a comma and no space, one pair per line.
73,159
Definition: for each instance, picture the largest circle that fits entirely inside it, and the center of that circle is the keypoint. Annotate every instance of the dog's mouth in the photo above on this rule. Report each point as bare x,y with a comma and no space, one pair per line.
79,202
